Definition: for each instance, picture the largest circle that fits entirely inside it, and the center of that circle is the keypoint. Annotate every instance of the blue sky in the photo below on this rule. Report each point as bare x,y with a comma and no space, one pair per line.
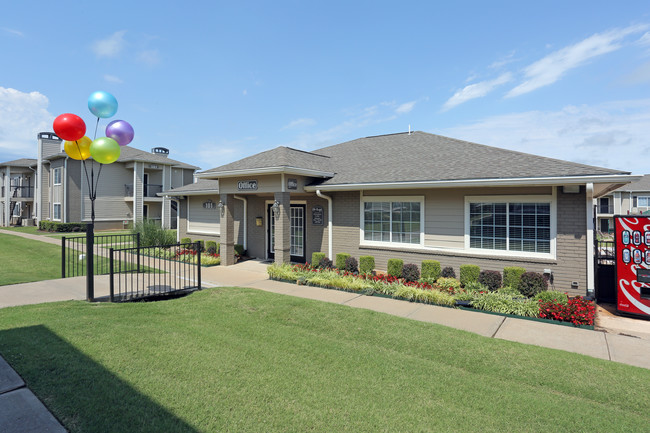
217,81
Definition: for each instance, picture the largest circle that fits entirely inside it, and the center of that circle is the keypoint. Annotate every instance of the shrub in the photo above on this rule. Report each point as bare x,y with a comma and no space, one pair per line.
469,273
510,291
210,244
395,267
475,286
448,272
55,226
325,263
316,257
340,260
431,269
366,264
491,279
410,272
532,283
351,265
552,296
212,250
239,249
152,233
512,275
201,243
449,284
501,303
186,240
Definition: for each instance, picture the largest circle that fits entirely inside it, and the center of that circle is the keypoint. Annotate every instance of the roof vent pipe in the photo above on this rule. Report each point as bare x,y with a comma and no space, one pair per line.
329,222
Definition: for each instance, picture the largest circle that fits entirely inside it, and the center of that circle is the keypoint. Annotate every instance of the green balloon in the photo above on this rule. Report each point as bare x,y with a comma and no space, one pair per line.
105,150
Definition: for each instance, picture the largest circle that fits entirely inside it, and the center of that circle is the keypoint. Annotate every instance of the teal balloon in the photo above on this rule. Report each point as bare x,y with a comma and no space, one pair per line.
102,104
105,150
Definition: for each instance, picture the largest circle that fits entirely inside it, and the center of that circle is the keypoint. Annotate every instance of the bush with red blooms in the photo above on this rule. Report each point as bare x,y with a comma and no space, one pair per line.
578,311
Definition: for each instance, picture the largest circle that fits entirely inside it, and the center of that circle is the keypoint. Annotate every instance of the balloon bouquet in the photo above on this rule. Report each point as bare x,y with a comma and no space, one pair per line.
104,150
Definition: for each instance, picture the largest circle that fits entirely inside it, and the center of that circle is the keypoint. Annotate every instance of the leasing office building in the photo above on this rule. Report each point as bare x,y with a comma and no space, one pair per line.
413,196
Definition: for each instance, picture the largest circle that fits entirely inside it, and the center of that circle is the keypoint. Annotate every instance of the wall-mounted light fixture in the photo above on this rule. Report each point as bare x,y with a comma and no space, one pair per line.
276,209
259,221
222,208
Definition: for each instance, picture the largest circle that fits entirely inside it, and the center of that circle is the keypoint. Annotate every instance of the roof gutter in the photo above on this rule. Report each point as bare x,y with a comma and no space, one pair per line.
176,192
264,170
524,181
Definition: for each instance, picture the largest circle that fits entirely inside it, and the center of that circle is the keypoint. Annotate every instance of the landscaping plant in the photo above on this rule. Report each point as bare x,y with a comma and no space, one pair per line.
490,279
152,233
448,272
395,267
430,270
578,311
512,275
469,274
531,283
351,265
410,272
316,257
366,264
340,260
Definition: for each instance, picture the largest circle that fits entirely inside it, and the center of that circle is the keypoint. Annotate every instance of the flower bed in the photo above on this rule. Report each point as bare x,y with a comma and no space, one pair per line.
445,292
186,255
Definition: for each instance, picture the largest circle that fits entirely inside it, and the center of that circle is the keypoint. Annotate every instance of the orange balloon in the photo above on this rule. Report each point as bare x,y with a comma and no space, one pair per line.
79,149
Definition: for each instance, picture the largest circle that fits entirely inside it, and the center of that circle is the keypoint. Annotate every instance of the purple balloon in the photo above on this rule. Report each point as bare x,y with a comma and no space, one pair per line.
120,131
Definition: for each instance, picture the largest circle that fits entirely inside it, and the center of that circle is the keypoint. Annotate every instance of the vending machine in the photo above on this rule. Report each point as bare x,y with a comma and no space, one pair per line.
632,244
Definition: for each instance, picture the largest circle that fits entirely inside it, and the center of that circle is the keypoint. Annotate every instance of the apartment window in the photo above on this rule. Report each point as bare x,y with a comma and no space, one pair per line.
56,211
510,226
392,220
57,176
642,201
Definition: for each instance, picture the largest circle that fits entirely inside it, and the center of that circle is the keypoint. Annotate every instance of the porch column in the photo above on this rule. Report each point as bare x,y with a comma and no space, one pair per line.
283,228
227,230
7,197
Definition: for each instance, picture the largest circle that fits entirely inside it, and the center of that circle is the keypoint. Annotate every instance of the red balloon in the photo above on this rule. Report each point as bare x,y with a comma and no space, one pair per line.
69,127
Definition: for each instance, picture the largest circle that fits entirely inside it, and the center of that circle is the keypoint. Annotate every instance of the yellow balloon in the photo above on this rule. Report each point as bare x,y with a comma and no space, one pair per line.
79,149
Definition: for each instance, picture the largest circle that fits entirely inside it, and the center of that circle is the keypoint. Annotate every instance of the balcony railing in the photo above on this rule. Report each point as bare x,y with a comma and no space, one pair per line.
605,209
149,190
19,191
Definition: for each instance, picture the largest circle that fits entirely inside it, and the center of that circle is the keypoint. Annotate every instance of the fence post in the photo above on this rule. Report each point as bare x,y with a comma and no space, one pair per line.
110,270
63,257
90,272
198,264
138,250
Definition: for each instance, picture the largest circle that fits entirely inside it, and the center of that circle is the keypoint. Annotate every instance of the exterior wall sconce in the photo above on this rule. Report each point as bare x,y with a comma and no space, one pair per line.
259,221
222,209
276,209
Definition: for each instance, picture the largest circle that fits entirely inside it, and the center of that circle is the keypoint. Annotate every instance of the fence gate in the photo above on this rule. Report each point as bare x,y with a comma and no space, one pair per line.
605,269
152,272
73,252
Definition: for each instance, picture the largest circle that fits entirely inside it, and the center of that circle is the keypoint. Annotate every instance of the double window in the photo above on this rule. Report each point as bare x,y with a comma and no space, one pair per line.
396,220
511,226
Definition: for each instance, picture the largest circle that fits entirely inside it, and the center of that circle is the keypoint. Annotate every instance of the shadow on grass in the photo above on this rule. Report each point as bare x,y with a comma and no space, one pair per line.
82,394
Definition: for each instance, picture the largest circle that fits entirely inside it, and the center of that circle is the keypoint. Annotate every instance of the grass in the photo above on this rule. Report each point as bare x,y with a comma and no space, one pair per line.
26,260
33,230
230,359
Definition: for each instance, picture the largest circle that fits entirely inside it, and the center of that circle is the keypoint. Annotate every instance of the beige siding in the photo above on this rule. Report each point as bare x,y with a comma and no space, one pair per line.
73,185
202,220
110,203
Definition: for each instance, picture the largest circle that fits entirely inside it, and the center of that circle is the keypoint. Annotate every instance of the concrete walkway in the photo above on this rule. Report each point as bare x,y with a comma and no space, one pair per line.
21,411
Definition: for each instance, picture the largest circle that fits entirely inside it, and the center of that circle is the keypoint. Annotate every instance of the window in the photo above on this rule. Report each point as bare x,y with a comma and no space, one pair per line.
389,220
510,226
642,201
57,176
56,211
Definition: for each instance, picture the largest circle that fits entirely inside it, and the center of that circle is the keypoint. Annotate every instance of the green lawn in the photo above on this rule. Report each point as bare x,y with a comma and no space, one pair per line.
230,359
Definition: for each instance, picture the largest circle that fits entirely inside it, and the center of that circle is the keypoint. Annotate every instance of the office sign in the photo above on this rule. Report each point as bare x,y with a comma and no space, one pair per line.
247,185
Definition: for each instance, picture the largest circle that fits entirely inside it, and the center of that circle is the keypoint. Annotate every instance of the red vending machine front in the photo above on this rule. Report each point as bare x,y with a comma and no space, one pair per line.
632,243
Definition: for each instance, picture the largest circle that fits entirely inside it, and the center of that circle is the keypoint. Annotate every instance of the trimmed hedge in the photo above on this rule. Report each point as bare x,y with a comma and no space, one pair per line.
316,257
469,274
490,279
340,260
395,267
186,240
55,226
366,264
430,270
512,275
210,244
239,249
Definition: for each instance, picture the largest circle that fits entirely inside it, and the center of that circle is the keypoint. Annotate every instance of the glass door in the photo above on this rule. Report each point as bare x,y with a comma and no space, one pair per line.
296,233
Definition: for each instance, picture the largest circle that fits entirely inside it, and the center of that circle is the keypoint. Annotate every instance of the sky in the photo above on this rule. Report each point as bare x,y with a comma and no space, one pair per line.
218,81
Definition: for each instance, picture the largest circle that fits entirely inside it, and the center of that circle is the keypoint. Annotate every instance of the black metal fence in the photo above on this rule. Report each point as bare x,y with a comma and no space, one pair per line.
73,252
605,270
152,272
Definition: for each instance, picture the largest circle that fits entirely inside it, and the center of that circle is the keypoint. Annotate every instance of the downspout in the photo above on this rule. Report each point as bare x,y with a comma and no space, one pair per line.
245,200
329,222
590,239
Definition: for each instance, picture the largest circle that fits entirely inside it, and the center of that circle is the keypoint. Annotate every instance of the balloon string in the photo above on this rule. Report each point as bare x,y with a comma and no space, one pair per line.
97,182
96,125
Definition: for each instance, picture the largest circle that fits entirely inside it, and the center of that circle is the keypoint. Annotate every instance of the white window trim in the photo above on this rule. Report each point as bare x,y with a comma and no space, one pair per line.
390,198
551,199
198,232
60,209
60,171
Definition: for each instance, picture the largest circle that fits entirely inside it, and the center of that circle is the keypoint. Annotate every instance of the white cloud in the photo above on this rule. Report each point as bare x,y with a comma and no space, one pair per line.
149,57
551,68
298,123
645,39
476,90
406,107
111,46
610,135
498,64
22,116
113,79
14,32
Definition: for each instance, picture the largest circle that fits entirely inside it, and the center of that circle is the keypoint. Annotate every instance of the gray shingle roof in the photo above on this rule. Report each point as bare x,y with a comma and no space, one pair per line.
278,157
129,154
203,185
642,184
422,156
22,162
